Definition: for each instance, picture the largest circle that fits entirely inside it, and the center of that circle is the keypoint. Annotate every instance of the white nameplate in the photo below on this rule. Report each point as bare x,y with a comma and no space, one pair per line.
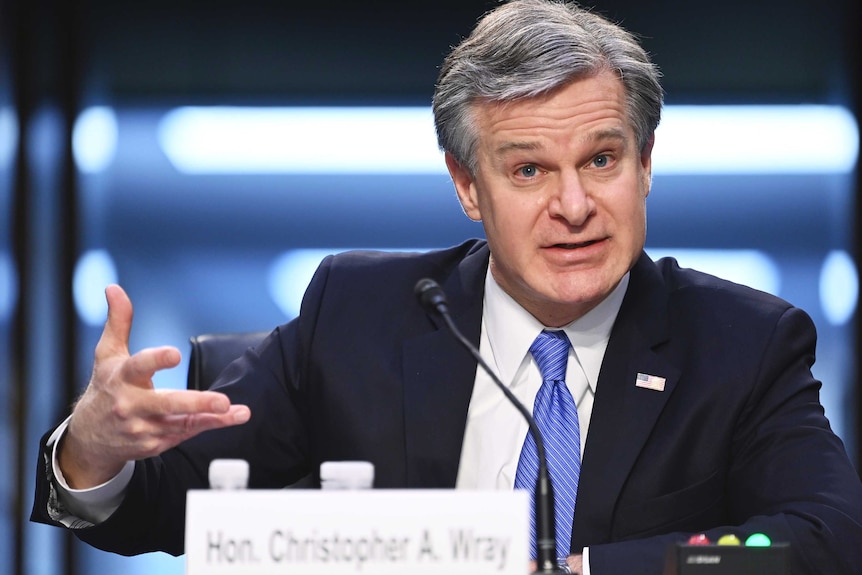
374,532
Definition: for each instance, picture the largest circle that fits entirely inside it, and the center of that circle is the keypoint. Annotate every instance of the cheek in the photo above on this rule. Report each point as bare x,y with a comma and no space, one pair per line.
636,226
503,209
636,218
626,212
518,220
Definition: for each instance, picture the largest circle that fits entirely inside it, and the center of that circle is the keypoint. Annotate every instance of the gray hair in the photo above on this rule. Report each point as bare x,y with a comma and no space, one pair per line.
527,48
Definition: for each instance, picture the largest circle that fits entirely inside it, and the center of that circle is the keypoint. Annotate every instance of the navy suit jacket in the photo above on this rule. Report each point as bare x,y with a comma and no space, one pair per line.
736,443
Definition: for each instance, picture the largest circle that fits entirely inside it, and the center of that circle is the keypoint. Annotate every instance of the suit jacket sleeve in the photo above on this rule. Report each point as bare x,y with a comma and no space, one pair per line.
787,475
152,515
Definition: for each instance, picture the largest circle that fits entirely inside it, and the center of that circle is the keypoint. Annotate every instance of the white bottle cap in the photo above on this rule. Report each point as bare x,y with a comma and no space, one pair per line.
228,474
346,475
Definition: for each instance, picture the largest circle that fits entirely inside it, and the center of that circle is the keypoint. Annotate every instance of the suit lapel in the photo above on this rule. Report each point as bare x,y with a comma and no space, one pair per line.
623,413
438,379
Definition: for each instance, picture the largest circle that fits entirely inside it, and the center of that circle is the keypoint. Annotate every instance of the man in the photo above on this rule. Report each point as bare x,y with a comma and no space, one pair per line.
696,408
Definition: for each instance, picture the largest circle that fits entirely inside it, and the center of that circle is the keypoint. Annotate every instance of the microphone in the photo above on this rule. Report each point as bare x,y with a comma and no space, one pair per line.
433,299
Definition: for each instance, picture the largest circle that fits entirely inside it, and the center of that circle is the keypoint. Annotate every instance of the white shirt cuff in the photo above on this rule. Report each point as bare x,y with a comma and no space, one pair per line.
78,508
585,563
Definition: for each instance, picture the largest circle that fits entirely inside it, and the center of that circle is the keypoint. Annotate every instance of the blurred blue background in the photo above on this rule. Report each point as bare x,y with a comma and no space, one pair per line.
96,184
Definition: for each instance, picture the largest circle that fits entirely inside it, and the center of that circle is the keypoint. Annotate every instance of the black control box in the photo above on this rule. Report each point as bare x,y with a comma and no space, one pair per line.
686,559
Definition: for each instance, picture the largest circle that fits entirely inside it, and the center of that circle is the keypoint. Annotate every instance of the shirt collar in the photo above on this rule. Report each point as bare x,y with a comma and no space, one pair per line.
511,330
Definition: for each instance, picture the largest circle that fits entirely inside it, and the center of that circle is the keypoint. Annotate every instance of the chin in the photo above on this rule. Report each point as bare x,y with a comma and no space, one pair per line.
580,288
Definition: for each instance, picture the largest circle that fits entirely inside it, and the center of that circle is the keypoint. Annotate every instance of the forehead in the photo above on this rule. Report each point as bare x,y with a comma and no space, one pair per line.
583,109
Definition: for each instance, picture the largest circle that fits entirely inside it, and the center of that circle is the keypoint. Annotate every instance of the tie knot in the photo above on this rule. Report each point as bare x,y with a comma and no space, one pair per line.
551,352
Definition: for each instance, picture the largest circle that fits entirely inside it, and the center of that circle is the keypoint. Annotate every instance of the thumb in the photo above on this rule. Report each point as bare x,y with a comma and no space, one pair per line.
115,335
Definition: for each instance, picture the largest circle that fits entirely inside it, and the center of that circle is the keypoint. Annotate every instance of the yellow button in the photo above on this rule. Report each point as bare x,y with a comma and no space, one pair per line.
729,540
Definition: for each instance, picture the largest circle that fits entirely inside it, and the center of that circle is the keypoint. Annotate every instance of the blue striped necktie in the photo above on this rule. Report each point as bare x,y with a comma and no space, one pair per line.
557,418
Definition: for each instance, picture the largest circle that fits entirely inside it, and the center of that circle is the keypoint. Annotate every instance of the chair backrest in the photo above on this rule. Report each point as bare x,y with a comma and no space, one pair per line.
212,352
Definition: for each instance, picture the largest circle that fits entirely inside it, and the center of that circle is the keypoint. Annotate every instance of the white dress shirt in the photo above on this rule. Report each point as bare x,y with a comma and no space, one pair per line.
496,430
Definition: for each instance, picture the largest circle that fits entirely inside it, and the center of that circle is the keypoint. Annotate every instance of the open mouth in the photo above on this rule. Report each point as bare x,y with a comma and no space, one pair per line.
575,246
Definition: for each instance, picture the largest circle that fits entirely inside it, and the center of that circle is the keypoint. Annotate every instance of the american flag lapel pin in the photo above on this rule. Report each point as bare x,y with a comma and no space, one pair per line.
653,382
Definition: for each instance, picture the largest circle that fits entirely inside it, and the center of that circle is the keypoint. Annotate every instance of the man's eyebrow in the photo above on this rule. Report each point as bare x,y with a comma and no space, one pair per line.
506,147
605,134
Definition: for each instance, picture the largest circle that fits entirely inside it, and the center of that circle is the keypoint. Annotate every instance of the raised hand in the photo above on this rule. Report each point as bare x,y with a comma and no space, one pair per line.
122,417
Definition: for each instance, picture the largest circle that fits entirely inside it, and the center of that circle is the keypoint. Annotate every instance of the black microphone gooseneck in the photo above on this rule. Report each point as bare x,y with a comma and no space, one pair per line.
432,298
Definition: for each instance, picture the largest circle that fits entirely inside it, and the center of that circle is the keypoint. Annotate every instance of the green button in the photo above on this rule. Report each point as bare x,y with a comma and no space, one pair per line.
758,540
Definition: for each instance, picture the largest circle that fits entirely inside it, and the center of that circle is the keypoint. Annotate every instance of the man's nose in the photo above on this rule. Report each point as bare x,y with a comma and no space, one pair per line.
571,200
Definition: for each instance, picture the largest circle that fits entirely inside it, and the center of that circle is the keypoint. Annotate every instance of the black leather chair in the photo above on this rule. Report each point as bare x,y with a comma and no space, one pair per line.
212,352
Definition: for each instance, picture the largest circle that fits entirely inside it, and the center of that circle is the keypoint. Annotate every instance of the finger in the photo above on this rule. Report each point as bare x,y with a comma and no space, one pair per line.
115,335
169,431
235,415
185,426
140,368
174,402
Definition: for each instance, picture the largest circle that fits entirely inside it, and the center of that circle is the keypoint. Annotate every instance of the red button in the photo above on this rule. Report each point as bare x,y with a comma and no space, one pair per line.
699,539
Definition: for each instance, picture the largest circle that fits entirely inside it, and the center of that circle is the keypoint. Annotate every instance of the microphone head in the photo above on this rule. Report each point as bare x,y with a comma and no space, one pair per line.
431,295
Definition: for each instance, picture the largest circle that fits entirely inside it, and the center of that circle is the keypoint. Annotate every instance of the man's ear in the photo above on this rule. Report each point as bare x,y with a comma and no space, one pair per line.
465,186
646,164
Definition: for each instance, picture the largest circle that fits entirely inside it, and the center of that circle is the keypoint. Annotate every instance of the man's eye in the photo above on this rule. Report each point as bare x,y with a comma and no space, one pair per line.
601,161
528,171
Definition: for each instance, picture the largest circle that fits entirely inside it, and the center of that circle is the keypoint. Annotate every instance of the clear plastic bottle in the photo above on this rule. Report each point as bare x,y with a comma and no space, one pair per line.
228,474
346,475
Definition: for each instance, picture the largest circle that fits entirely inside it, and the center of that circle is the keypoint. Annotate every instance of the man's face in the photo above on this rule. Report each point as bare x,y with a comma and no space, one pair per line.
561,188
